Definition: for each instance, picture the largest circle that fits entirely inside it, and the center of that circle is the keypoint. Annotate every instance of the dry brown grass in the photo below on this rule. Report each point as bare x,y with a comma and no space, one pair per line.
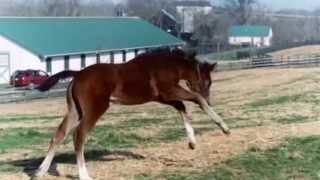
299,51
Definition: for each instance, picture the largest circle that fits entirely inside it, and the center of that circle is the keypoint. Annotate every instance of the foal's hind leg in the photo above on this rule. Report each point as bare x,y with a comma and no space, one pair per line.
92,113
69,122
186,120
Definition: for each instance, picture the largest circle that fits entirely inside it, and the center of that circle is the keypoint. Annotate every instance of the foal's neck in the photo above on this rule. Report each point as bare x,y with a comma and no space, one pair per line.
188,71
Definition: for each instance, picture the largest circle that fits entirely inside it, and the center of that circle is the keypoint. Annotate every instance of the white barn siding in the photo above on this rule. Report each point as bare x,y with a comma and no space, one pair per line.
118,58
91,59
256,41
129,55
57,65
20,58
75,63
267,41
105,58
141,51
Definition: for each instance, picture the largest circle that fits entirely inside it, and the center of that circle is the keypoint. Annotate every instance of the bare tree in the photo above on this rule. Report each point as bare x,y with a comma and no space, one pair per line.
211,31
61,8
240,10
57,8
19,8
146,9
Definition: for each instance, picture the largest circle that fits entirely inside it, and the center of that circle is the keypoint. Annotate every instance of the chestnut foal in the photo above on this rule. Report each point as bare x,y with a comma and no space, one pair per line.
153,76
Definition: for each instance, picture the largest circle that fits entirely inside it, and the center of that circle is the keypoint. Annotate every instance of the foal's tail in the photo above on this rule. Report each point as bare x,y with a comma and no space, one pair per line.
51,81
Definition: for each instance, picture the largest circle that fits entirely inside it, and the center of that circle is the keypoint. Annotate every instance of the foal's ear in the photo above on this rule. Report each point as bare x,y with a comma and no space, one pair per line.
192,55
210,66
213,66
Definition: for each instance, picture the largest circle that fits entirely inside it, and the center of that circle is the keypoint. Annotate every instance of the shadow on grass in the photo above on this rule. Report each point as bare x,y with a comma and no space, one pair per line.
29,166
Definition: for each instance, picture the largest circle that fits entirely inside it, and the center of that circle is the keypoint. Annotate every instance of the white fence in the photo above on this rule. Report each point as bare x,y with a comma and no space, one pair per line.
8,95
269,62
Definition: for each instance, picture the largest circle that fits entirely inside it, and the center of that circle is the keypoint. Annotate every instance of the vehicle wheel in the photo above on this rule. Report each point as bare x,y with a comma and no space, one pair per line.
31,86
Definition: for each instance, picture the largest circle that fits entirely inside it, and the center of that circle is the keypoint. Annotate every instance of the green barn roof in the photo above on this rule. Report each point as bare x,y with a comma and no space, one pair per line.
53,36
251,31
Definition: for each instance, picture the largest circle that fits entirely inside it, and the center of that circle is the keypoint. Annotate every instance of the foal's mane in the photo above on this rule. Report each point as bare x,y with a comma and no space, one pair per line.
190,56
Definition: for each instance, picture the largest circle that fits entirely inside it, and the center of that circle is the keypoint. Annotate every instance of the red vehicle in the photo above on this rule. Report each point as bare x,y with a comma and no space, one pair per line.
28,78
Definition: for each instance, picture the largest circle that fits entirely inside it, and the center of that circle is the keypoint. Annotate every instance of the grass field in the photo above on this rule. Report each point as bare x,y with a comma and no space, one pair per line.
299,51
273,115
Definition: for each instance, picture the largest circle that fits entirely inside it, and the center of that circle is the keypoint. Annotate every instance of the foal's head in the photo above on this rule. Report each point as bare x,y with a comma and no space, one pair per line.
199,76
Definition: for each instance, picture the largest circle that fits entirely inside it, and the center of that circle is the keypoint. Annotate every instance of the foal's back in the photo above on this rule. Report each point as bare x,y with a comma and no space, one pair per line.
141,69
135,82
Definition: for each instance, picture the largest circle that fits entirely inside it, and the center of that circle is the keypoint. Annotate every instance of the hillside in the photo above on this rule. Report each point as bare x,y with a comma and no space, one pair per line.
299,51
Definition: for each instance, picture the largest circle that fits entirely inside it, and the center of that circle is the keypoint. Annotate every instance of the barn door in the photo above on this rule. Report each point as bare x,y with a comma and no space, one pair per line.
4,68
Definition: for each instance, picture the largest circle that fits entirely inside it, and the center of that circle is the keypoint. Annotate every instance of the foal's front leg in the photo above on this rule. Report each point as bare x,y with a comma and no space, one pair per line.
180,107
189,129
213,115
177,93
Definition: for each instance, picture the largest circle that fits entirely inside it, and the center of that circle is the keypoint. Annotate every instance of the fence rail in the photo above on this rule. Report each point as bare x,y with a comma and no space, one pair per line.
16,95
269,62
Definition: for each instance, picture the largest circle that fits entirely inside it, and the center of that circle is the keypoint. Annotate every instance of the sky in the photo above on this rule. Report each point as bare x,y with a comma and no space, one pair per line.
292,4
285,4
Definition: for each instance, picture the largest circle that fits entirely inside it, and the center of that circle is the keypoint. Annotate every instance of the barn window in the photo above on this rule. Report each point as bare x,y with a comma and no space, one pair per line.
98,58
124,56
49,65
66,62
112,57
83,61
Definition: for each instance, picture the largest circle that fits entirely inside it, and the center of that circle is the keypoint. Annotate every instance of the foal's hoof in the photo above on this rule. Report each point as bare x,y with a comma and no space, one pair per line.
192,145
38,174
85,178
226,131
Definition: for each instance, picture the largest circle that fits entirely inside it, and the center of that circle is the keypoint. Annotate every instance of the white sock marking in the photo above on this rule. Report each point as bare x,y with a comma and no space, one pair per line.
45,165
189,129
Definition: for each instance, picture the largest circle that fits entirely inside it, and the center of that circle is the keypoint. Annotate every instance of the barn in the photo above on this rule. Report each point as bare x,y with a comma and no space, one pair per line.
246,35
54,44
187,11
